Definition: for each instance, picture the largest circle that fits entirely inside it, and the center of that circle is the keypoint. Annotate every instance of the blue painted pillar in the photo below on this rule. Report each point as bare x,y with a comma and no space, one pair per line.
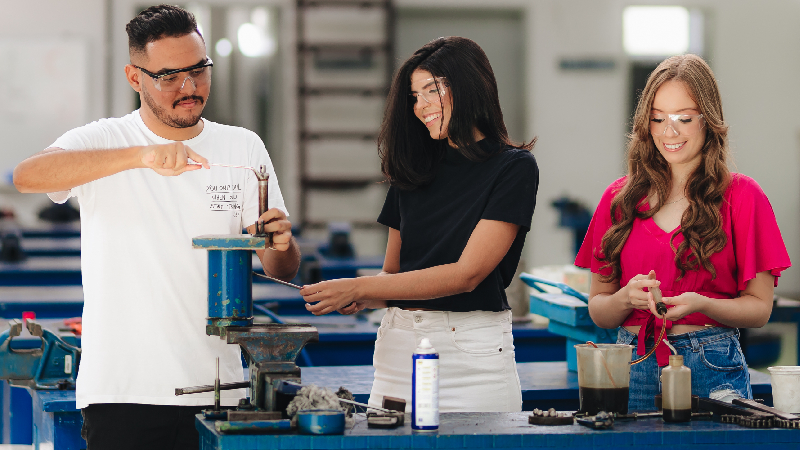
230,277
230,297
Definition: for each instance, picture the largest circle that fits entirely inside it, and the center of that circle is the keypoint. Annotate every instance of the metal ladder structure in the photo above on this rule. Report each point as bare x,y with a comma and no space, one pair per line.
345,64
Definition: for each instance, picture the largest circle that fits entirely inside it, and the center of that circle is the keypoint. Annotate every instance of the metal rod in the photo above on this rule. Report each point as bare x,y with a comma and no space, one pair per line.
210,388
285,283
364,405
216,388
351,402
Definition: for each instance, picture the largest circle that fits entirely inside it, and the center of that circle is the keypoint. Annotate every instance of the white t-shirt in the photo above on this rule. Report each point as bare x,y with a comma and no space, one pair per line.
145,287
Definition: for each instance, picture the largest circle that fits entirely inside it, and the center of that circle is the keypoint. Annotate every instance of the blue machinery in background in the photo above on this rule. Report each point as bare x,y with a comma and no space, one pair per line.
568,312
52,366
575,216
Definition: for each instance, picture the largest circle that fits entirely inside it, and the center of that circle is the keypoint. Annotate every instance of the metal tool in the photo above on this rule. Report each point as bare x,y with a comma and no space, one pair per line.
764,408
52,366
211,387
285,283
270,349
263,194
364,405
297,386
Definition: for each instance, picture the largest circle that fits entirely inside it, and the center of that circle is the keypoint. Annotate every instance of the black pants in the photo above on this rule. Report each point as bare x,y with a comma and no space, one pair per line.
123,426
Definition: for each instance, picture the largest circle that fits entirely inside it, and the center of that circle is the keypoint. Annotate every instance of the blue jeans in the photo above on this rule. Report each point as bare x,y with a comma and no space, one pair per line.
713,355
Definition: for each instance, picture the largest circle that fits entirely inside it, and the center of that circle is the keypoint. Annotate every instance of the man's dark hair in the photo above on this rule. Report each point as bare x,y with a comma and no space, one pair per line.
409,156
157,22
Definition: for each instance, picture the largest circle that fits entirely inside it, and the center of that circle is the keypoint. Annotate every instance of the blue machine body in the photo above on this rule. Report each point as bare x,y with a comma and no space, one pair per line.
230,277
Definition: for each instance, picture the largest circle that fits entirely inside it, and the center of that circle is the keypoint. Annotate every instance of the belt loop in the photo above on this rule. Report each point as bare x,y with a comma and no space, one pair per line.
390,316
695,344
446,317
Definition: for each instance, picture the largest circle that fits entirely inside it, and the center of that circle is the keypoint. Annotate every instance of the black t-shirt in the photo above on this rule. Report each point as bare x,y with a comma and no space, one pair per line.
436,221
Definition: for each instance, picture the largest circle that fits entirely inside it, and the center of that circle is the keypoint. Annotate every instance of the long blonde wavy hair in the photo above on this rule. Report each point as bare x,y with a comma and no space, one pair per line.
649,174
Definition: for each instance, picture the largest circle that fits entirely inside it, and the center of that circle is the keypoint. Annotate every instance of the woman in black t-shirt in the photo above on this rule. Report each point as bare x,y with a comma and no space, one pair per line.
460,204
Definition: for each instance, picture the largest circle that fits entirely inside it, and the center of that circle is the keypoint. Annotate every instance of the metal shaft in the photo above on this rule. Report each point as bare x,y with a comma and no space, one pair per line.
285,283
216,388
364,405
211,387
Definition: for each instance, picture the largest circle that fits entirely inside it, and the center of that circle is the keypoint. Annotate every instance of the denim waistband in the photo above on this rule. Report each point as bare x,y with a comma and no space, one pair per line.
694,338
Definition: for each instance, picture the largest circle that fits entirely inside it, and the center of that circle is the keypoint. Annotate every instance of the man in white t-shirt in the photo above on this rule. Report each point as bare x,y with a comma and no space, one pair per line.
145,189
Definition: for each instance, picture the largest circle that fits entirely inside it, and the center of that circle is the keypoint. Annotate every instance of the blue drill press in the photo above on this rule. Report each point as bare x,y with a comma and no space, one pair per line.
269,349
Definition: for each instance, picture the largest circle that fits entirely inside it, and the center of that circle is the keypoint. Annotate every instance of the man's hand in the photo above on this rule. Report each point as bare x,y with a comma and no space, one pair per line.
275,222
171,159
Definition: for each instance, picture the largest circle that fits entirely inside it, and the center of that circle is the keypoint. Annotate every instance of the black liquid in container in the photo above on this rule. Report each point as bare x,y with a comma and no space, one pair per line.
604,373
676,387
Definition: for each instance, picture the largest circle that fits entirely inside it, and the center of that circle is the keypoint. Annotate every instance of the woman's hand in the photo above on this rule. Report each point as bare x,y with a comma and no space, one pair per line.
634,294
681,306
355,307
332,295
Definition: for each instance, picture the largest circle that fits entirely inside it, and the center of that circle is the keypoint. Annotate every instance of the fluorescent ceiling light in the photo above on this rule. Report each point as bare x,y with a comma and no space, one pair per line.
253,42
223,47
655,30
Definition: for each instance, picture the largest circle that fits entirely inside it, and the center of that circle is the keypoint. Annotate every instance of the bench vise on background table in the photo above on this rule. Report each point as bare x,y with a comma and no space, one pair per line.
52,366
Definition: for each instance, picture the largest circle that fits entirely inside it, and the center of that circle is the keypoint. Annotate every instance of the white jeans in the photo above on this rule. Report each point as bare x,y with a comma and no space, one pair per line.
477,371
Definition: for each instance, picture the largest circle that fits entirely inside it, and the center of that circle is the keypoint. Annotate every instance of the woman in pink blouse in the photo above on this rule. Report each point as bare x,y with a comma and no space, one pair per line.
681,221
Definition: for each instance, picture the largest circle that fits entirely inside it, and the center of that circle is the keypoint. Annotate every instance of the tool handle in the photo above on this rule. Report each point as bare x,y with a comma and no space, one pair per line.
533,282
210,388
764,408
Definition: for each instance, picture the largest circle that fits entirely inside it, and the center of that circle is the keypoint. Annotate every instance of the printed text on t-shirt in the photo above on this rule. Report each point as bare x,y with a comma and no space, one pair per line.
225,197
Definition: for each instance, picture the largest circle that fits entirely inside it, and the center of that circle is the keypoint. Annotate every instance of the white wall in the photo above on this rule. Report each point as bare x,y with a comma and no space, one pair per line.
45,21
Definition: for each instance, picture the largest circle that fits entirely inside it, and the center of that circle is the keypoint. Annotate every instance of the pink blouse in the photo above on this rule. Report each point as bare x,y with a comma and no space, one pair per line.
754,245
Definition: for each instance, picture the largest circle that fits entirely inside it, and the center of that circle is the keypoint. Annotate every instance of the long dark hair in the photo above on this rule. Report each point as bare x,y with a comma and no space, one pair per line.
409,156
649,173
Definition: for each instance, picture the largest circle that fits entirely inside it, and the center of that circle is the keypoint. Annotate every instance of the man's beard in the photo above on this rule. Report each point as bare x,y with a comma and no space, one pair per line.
175,122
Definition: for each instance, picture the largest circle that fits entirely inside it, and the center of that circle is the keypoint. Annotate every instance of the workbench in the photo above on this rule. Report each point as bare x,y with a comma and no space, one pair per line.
512,431
342,340
544,385
62,301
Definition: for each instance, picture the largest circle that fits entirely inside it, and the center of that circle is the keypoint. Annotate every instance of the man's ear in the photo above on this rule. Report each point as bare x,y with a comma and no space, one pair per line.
134,77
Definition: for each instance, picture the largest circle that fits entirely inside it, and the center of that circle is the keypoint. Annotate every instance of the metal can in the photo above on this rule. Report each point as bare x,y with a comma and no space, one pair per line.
425,387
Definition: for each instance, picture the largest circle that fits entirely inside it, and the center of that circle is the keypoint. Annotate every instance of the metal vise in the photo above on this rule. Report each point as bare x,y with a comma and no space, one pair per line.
52,366
270,349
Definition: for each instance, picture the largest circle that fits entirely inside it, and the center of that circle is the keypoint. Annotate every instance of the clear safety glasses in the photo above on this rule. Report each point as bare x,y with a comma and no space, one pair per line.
680,124
431,90
175,80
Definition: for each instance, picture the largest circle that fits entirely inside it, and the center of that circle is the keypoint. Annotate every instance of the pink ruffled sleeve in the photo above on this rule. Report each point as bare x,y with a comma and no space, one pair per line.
601,222
757,241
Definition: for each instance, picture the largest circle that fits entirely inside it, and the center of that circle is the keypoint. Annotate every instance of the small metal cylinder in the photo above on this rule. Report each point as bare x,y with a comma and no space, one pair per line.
230,298
263,194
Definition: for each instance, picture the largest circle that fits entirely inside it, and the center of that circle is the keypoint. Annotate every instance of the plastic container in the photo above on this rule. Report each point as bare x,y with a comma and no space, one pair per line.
786,388
676,391
604,375
425,388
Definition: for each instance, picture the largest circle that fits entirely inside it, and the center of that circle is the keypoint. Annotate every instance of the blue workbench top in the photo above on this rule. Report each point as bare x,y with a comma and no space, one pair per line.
540,381
512,431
